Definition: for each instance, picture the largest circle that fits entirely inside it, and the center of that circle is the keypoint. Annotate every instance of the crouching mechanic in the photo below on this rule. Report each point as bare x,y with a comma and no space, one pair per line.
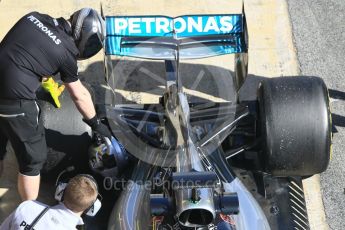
79,197
38,46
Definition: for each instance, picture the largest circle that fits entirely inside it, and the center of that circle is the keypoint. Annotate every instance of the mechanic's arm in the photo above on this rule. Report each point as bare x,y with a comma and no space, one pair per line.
82,99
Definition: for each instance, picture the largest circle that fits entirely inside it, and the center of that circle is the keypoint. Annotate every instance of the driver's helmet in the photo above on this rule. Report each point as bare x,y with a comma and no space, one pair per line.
88,31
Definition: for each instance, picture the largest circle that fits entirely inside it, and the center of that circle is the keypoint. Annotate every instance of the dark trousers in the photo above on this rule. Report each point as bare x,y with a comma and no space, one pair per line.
20,124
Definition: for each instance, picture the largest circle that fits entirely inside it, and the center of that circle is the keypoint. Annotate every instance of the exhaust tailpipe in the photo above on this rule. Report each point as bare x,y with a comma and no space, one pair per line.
194,203
193,213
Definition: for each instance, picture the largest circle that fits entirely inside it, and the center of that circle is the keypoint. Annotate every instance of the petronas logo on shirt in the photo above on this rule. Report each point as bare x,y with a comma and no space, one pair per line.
45,29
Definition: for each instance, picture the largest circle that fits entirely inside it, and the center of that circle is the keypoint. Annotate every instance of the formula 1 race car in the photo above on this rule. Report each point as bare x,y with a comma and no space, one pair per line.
187,161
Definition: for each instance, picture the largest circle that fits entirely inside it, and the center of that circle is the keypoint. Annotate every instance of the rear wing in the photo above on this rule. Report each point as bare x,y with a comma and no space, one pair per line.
183,37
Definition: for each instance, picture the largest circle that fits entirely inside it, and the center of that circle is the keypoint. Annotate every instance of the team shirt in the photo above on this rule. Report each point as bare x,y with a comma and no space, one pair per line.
57,217
36,46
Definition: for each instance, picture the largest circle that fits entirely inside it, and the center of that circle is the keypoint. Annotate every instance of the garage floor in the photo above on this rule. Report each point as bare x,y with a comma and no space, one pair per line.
9,197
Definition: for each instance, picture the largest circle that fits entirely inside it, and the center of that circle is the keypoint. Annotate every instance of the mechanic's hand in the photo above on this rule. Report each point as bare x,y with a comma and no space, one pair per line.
98,127
54,89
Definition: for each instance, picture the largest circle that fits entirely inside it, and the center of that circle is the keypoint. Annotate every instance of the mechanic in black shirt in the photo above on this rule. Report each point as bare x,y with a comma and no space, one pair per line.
38,46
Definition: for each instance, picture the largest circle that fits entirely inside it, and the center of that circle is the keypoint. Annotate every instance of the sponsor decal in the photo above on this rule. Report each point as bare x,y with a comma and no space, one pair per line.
187,26
23,225
44,29
182,26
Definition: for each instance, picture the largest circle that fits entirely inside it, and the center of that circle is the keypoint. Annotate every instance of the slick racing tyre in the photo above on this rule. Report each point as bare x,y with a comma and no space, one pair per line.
295,125
67,136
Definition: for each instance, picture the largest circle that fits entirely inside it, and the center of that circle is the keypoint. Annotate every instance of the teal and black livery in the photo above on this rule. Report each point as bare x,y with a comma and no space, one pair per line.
157,37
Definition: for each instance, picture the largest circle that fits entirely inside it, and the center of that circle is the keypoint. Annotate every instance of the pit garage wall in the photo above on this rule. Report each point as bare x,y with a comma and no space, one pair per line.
271,51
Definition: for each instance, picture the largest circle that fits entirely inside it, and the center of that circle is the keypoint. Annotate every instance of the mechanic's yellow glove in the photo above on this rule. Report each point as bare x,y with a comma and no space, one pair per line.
54,89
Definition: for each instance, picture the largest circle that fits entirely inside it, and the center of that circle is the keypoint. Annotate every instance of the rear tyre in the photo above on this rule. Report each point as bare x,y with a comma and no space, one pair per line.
67,136
295,125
